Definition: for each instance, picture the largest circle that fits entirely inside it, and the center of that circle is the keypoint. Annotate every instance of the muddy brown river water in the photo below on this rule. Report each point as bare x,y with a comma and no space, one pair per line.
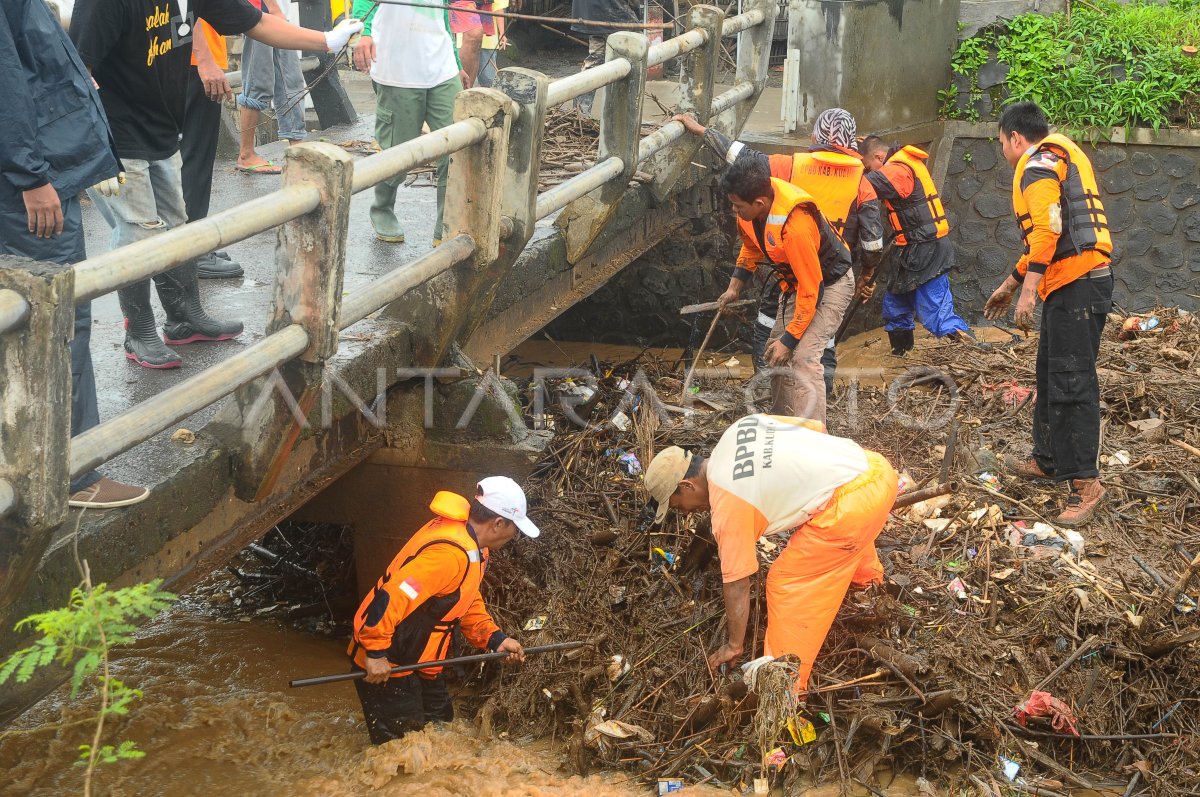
218,718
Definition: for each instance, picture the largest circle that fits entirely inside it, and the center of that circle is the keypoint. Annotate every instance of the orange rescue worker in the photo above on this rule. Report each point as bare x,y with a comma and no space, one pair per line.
831,171
917,282
781,225
772,474
1067,262
429,589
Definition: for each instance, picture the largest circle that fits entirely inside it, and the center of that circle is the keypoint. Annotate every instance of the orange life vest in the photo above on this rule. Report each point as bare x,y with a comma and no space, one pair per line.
1084,222
425,633
790,199
832,179
920,217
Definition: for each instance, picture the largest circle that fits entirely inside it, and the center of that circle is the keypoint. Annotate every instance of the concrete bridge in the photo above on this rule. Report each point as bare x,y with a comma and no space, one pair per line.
364,360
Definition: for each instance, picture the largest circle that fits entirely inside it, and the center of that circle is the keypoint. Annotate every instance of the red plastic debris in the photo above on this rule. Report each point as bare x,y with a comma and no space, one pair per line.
1044,704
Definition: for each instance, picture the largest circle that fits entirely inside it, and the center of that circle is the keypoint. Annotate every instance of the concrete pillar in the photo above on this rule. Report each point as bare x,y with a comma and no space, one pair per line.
476,177
35,418
620,133
527,89
270,413
697,84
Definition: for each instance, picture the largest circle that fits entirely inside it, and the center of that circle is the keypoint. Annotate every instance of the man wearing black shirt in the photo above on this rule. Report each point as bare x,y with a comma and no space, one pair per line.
139,52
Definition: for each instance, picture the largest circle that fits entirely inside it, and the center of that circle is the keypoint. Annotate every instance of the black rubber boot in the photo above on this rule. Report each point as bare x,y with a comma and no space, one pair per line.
142,344
902,341
179,292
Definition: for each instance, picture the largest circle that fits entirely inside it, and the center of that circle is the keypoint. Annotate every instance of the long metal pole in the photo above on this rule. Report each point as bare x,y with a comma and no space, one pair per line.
357,674
532,17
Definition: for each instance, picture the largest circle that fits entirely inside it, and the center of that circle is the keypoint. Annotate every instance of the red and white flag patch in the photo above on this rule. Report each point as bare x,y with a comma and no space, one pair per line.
410,588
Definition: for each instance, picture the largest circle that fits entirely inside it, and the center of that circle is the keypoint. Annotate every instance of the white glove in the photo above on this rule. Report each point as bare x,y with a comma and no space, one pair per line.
342,32
111,186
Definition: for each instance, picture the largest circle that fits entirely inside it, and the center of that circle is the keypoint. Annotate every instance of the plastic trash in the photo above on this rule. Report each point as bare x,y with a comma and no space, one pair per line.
1044,704
957,588
668,785
989,480
1010,768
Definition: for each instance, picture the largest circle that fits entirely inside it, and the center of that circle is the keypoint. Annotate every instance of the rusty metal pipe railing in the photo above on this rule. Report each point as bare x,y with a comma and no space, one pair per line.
581,184
727,99
143,259
423,149
741,22
679,45
572,86
390,287
141,422
14,310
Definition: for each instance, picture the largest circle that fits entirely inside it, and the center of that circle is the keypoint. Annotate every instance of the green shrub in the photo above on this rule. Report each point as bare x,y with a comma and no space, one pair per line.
1106,65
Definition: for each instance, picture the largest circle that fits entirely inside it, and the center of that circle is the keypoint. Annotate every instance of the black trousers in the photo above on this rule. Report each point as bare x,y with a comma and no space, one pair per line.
198,148
403,704
1066,414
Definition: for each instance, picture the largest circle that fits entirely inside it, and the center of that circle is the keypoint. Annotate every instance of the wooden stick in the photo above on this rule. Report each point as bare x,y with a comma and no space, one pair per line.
706,306
1195,452
687,380
1083,648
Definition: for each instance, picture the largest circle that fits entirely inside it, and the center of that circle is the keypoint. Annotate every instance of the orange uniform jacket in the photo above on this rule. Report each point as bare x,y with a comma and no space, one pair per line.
798,240
431,587
1042,173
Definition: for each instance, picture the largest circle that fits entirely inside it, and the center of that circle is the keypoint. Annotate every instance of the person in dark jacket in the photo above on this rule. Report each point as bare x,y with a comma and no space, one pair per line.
917,282
54,143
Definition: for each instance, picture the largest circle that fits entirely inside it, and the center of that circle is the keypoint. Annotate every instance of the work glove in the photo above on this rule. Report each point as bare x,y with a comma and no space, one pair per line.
111,186
342,32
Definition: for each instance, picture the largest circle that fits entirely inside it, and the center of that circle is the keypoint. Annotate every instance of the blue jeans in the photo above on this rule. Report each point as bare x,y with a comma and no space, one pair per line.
487,68
934,306
150,201
272,77
68,247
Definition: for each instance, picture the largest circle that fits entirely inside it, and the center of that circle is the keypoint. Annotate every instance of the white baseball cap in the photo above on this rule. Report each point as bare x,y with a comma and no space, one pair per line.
505,497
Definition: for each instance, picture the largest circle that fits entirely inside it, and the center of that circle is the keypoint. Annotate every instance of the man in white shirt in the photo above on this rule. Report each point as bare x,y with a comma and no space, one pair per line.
773,473
409,53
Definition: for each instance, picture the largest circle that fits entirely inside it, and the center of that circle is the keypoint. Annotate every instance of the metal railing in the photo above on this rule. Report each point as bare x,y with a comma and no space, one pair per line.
312,208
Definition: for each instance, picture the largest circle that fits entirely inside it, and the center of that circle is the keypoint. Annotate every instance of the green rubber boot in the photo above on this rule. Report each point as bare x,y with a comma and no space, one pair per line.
383,217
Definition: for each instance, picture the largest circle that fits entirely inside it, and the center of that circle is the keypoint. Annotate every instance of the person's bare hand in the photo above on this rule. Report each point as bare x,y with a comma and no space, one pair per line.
689,123
465,78
378,670
730,295
516,653
777,355
1025,307
998,303
364,54
865,289
726,654
216,85
43,211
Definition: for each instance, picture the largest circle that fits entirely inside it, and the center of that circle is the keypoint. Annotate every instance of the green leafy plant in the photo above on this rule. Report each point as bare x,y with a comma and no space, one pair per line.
80,636
1105,65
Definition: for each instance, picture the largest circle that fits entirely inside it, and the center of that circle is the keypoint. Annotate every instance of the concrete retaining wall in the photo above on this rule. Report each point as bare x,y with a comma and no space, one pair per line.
1151,194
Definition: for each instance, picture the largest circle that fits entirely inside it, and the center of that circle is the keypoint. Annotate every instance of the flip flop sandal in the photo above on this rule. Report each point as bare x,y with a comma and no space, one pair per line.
262,168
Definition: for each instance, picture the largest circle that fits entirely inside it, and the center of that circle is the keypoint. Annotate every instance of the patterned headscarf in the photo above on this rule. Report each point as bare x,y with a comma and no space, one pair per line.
835,127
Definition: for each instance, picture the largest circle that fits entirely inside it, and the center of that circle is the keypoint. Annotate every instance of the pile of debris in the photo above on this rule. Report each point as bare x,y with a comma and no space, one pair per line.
299,573
1003,653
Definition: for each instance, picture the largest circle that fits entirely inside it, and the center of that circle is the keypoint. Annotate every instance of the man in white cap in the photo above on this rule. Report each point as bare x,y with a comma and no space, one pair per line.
429,589
771,473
